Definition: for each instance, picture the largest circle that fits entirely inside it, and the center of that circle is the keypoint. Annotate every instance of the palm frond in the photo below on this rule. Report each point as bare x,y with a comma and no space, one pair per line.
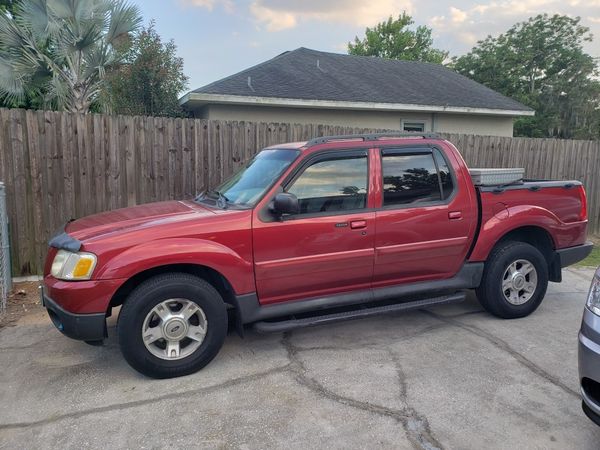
58,92
33,15
74,10
11,36
124,19
88,37
12,85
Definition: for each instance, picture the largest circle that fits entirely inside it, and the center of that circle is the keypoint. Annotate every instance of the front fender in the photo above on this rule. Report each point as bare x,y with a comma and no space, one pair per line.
237,270
515,217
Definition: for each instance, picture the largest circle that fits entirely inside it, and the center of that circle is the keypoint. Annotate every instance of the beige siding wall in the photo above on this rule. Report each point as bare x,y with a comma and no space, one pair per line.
472,124
449,123
350,118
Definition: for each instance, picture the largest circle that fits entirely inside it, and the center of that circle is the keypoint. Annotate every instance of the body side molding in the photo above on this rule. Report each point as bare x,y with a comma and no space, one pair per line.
249,309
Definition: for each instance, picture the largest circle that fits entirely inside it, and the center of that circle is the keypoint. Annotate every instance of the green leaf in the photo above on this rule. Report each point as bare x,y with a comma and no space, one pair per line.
394,39
541,63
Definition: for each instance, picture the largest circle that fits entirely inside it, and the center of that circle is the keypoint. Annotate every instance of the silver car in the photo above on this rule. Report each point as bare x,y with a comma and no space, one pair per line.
589,352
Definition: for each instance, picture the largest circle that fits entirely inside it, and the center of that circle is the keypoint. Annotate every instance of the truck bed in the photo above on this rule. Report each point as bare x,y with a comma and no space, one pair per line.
563,203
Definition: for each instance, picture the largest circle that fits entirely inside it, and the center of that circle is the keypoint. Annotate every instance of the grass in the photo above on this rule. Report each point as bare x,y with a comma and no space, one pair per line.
593,260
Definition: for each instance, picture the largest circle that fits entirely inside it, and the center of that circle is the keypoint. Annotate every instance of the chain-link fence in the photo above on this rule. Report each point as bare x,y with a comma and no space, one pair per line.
5,276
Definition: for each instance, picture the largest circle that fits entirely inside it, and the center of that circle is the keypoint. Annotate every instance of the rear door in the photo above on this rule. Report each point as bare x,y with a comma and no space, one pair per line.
328,246
426,220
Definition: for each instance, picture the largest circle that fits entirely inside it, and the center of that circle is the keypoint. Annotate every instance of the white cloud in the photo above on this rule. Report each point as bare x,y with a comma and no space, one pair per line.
227,5
467,25
457,15
495,11
208,4
272,19
281,15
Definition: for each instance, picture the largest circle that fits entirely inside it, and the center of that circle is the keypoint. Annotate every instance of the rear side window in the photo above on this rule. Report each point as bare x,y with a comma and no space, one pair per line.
410,179
332,185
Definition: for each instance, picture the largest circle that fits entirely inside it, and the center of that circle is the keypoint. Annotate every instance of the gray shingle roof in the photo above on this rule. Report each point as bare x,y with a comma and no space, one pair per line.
313,75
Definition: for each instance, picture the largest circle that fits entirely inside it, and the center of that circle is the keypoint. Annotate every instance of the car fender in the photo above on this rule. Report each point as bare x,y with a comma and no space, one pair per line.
510,219
237,270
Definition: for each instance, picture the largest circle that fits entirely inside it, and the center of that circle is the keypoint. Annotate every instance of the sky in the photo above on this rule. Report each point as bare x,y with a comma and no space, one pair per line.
217,38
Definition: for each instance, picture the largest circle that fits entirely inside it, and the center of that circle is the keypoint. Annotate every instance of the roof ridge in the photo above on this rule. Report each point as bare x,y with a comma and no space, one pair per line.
241,72
348,55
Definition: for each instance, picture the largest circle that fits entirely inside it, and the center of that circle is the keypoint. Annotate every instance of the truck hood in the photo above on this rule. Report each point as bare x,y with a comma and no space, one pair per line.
136,217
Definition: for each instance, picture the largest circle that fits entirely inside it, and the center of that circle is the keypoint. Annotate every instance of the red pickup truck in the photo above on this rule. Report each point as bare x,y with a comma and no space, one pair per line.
308,233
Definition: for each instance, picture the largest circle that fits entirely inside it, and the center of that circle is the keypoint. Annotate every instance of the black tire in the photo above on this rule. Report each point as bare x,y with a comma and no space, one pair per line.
490,292
148,295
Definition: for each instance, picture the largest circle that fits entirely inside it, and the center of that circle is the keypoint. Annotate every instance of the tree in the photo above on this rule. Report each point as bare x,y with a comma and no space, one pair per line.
393,39
67,45
541,63
150,81
32,98
7,6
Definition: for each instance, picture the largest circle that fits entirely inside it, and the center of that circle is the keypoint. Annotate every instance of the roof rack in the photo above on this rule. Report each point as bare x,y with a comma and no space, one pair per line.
371,137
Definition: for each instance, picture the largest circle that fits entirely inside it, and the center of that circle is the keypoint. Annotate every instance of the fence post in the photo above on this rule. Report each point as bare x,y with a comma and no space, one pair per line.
5,275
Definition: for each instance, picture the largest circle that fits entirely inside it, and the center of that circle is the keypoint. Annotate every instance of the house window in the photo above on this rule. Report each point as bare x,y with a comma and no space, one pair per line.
413,126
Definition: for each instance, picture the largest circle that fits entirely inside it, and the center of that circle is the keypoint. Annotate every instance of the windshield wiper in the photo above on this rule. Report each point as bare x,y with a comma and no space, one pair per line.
222,200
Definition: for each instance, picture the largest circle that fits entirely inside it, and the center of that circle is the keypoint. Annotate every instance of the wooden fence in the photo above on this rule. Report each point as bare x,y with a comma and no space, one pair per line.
59,166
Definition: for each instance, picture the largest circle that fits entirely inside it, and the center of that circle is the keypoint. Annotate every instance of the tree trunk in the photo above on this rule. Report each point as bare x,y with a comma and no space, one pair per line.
80,102
532,82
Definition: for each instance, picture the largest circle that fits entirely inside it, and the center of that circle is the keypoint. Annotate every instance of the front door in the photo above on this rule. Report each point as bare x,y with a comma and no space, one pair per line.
328,246
426,221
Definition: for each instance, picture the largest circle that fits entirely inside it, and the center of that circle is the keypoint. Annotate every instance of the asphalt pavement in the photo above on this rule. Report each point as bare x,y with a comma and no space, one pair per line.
451,377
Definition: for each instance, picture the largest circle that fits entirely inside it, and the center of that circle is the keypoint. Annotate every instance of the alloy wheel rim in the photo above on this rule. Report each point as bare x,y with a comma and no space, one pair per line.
519,282
174,329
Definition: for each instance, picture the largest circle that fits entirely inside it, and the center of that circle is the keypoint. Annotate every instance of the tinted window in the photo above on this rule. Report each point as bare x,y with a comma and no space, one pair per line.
445,175
332,185
409,179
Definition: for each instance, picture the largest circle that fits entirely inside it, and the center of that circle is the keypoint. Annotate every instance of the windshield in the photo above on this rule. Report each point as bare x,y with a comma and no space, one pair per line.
248,185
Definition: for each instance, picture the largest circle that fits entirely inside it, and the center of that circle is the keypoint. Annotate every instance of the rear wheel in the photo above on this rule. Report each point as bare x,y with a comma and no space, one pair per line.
172,325
515,280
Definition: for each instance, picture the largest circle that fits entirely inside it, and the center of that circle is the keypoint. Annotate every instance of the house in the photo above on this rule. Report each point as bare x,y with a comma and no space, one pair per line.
308,86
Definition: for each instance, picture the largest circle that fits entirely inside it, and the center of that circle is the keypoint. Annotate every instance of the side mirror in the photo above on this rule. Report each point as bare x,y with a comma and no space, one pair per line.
285,203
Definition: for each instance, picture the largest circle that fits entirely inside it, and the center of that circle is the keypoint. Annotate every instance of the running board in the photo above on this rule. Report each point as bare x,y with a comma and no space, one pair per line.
290,324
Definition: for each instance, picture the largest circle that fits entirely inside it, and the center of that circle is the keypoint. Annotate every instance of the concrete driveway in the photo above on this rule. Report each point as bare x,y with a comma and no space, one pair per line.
448,377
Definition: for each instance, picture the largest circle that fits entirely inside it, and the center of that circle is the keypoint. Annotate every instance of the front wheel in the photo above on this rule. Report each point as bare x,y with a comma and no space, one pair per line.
172,325
514,281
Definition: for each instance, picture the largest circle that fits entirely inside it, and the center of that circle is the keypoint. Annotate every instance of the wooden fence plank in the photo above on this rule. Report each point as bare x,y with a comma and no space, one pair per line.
37,196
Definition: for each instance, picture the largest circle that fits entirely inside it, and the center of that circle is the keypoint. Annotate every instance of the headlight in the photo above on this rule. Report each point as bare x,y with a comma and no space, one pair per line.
73,266
593,300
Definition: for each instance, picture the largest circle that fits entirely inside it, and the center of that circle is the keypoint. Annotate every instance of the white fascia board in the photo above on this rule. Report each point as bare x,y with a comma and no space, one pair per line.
199,99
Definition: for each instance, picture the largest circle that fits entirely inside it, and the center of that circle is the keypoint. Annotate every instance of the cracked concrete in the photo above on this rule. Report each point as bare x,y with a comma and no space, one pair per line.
448,377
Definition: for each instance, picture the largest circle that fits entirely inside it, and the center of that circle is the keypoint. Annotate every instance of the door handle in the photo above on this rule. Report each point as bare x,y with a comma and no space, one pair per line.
357,224
455,215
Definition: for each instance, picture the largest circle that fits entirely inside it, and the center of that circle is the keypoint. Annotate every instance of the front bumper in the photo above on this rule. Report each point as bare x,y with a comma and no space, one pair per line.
84,327
589,364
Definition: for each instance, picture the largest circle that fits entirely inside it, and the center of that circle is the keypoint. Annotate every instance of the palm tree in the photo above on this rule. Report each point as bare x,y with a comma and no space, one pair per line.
70,44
